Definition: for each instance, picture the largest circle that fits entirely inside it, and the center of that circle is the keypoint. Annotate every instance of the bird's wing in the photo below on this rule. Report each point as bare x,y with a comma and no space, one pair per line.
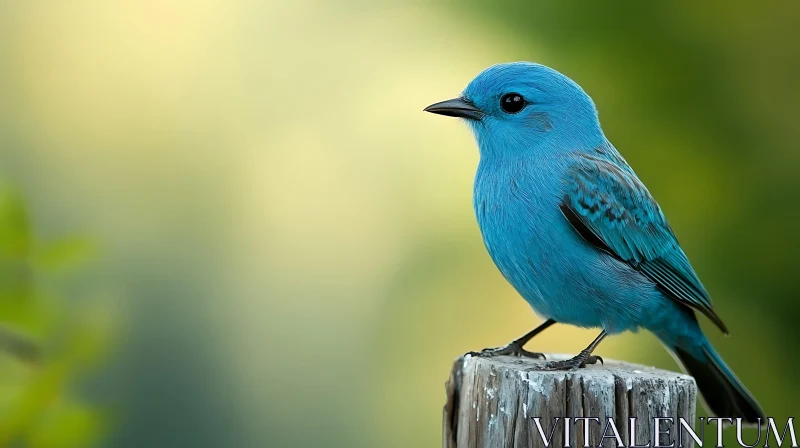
610,207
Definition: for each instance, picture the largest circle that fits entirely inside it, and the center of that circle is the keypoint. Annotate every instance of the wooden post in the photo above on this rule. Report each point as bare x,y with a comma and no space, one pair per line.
493,402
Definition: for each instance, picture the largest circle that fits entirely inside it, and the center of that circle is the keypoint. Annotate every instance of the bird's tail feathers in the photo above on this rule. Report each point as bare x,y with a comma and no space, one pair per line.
724,394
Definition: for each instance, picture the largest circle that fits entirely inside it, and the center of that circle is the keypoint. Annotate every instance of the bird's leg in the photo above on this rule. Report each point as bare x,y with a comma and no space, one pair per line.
584,357
514,348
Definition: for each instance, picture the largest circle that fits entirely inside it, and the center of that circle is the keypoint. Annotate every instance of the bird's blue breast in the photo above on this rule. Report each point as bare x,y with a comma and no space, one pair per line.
517,223
558,273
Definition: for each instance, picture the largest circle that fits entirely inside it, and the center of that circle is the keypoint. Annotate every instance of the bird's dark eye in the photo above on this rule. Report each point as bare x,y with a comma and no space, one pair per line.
512,103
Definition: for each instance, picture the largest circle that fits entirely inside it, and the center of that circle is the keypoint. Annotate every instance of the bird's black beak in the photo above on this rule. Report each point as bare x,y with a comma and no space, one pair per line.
457,107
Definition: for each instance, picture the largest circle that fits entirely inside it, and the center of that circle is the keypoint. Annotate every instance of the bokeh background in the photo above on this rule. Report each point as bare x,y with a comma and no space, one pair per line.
229,223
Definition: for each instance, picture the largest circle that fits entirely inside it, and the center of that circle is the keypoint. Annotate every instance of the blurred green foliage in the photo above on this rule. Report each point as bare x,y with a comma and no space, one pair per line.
45,341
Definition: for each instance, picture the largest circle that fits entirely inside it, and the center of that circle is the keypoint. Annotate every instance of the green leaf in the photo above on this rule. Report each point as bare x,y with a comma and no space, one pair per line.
65,254
68,425
15,232
19,346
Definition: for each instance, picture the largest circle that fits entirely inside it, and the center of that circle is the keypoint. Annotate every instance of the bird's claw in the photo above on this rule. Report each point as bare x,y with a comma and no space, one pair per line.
508,350
575,363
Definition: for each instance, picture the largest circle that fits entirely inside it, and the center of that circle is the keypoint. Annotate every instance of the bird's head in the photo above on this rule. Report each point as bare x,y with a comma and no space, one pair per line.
524,108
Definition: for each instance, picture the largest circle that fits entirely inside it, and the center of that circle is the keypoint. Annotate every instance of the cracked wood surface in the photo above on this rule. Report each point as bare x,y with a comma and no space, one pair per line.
492,402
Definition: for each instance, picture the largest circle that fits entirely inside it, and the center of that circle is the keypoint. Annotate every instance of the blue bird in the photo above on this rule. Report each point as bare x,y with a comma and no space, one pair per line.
576,233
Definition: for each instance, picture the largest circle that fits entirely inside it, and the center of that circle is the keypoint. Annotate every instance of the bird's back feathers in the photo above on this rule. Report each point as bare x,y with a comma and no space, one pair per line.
610,207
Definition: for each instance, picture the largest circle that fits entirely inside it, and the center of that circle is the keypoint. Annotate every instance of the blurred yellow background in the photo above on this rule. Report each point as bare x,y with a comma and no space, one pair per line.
276,246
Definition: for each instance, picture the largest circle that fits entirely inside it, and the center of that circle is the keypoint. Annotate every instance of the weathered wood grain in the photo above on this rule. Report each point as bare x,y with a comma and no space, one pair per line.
493,402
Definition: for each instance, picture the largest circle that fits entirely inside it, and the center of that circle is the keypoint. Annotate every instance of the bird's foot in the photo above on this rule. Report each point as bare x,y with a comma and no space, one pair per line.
511,349
582,360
